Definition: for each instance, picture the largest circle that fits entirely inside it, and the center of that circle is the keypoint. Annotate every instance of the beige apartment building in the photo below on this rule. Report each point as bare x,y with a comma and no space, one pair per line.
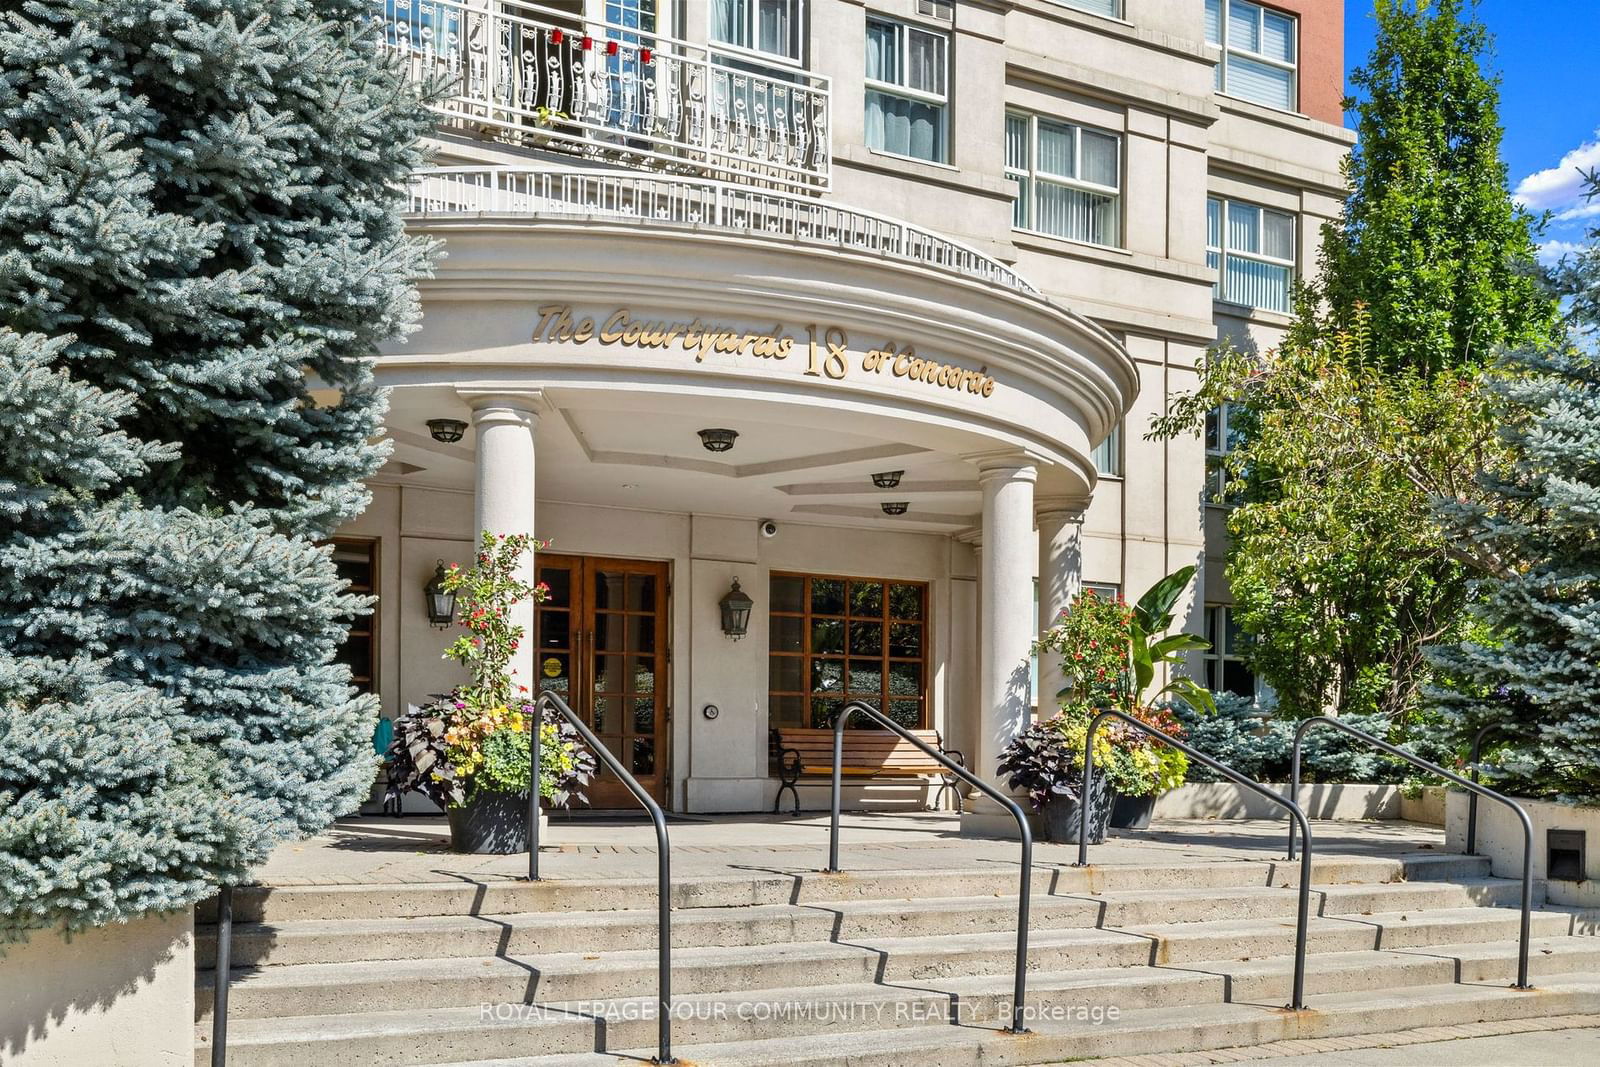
861,307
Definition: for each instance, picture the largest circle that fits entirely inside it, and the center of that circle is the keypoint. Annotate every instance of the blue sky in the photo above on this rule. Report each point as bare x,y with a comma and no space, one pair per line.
1546,52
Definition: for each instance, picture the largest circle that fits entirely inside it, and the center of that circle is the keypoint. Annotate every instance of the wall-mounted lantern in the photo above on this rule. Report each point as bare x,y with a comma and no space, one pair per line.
736,607
440,602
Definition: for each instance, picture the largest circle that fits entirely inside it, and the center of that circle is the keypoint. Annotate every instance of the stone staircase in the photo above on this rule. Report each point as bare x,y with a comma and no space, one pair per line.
898,967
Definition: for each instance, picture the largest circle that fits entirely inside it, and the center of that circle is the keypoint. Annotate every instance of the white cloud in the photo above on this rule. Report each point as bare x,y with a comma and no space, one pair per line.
1560,186
1551,252
1586,210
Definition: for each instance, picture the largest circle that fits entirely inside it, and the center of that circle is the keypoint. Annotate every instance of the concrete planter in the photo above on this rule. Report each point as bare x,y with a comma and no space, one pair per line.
1500,838
1224,800
492,824
120,994
1425,807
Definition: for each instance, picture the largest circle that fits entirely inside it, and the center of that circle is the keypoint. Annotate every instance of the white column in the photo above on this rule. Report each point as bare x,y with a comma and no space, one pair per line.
1006,621
503,425
1060,578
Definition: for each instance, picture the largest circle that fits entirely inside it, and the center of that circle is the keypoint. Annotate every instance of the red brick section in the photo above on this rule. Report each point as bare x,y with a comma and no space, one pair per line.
1321,56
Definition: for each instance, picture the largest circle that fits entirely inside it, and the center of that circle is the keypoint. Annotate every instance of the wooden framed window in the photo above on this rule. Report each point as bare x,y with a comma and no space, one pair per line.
357,562
832,639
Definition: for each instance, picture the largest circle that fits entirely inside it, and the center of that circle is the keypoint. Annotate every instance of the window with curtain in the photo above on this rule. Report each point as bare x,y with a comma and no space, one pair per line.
1069,179
1260,51
1252,250
907,90
769,26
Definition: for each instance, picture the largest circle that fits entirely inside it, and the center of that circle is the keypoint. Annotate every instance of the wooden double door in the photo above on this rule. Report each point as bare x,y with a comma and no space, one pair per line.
602,645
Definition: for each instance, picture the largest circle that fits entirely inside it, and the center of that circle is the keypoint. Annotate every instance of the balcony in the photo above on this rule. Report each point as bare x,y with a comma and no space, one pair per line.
615,195
612,94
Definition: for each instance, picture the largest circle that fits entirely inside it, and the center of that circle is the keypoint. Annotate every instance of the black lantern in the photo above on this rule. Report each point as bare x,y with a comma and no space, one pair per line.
441,602
896,507
718,440
446,431
887,479
736,612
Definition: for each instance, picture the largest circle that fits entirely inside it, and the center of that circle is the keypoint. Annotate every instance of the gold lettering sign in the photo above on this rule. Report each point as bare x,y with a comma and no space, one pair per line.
827,349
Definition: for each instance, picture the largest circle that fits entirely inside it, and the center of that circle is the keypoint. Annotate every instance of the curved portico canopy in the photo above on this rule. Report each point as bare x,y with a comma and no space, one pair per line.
837,343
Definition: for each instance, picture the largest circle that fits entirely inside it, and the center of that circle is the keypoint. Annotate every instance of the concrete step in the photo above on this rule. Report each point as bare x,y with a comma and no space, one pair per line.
512,897
331,941
941,1027
317,988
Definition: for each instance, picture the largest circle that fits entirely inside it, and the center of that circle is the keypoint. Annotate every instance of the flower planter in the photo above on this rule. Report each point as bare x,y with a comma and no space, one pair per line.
493,824
1133,813
1061,814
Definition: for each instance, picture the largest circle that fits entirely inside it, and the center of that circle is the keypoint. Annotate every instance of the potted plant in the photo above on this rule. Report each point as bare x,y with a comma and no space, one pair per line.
1046,762
1110,655
468,752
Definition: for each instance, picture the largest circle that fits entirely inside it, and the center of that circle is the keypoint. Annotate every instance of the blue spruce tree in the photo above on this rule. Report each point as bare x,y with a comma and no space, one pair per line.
200,252
1534,674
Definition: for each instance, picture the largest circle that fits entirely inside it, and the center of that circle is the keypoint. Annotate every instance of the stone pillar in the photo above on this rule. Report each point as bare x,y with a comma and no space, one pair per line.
503,425
1006,623
1060,578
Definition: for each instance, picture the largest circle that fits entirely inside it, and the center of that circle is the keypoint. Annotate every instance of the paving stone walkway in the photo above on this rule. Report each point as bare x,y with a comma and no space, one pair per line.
1561,1041
416,849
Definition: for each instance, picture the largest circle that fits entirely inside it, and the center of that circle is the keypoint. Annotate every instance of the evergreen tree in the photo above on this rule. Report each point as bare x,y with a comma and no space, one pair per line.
1534,670
1429,243
200,251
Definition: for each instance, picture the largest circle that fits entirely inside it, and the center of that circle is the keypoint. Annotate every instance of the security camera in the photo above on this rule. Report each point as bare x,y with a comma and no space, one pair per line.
769,528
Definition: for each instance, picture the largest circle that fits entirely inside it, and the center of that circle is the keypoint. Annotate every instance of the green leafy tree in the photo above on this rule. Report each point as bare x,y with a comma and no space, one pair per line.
1532,671
1429,249
200,252
1371,409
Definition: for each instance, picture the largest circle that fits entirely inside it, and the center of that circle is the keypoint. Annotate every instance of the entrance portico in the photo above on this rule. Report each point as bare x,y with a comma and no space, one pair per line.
890,414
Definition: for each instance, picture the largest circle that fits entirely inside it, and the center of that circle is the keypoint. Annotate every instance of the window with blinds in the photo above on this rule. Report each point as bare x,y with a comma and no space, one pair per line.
1069,179
1259,52
1252,250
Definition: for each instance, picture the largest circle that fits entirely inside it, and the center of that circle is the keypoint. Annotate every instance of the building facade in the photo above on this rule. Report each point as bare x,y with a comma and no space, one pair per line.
935,263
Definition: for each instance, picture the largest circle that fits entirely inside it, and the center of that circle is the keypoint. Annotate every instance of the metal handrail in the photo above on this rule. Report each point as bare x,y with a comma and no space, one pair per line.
1472,798
550,701
1474,787
224,970
1020,988
1298,1001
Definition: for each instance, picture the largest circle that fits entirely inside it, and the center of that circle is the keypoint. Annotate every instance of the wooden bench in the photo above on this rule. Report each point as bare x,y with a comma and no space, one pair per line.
864,752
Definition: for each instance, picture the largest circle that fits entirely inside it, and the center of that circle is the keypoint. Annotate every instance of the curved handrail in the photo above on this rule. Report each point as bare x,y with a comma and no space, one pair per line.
1020,988
1472,798
686,200
1297,1003
1473,787
550,701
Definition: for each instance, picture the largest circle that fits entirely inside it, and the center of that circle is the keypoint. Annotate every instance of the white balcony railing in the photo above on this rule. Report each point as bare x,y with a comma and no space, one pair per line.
541,77
626,195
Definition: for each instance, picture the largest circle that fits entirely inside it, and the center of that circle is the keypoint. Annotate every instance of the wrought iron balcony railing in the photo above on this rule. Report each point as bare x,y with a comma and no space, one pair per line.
620,194
541,77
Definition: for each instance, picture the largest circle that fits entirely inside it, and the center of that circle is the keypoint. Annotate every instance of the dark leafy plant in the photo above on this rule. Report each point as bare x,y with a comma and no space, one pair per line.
1044,761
